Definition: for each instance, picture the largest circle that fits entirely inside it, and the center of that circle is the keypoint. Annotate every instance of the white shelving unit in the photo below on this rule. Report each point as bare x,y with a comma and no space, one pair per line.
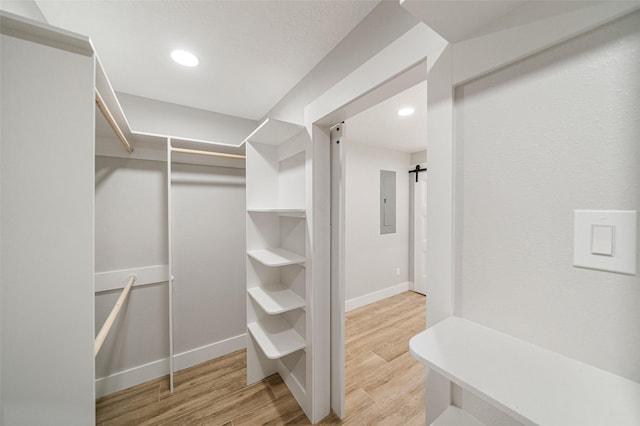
279,284
276,257
281,212
276,298
276,337
531,384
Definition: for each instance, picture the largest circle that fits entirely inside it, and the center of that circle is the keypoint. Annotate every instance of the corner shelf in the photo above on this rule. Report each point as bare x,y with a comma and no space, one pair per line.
276,298
276,257
273,132
275,337
279,160
302,213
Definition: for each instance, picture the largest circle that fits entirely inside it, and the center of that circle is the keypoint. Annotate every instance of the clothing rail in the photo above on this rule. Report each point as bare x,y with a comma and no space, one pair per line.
210,153
112,122
102,335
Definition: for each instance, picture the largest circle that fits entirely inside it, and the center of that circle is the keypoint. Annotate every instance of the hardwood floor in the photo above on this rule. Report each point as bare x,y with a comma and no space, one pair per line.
384,382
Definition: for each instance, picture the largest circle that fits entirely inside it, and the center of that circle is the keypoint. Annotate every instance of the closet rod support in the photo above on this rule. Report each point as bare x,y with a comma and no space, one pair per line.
104,331
112,122
210,153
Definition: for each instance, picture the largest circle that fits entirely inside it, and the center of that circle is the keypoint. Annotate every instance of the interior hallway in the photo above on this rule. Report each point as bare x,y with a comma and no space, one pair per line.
384,383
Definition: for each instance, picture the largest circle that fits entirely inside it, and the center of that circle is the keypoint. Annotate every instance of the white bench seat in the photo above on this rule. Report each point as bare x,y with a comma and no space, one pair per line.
531,384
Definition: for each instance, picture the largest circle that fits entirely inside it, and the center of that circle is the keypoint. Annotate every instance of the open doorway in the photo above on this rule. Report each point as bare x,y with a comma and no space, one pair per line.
381,149
380,243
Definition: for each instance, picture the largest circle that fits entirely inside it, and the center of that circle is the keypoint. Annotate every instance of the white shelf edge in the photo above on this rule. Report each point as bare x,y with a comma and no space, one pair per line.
273,132
301,213
276,337
276,298
276,257
532,384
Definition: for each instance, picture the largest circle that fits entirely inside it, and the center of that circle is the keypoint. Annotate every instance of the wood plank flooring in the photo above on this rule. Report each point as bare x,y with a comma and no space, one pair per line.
384,382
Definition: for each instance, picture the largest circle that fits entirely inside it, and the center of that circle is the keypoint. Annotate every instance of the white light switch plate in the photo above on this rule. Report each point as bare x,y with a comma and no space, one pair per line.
624,237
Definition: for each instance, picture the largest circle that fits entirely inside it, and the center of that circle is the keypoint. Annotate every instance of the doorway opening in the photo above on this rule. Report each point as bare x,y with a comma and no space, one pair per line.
378,241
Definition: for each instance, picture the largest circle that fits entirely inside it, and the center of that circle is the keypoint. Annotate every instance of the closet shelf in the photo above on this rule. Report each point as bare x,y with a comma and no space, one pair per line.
274,132
531,384
282,212
276,298
276,257
275,337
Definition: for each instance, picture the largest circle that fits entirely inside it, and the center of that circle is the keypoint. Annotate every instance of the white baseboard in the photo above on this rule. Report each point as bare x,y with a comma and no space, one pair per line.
296,389
133,376
205,353
359,301
140,374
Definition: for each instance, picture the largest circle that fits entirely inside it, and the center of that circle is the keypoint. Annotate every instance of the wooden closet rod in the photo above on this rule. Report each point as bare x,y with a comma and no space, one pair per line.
210,153
102,335
112,122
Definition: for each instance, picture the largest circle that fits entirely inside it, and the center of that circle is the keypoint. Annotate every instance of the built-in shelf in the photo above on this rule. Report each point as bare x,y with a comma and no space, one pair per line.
276,337
274,132
453,416
531,384
276,257
276,298
282,212
278,234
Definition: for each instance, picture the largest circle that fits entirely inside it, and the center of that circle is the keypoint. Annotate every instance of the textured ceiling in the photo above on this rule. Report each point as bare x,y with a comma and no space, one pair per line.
381,126
251,52
460,19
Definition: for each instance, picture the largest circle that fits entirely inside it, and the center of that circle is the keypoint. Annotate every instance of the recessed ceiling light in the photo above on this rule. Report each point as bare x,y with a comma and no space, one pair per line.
185,58
403,112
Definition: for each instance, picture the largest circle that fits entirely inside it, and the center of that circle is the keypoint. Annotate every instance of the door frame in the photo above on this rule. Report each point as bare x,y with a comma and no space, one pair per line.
414,220
325,176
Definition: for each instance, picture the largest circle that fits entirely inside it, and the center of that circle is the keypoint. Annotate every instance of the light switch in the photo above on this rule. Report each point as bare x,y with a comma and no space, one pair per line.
602,239
605,240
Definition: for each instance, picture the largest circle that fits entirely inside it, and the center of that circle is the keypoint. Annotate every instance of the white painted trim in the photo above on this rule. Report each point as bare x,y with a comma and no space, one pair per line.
133,376
357,302
478,56
337,214
152,370
351,95
114,280
295,387
183,138
402,55
38,32
213,350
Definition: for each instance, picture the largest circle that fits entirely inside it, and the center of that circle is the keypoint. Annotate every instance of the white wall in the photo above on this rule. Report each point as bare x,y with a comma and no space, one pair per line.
163,118
371,259
26,8
47,244
131,232
208,256
419,157
556,132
